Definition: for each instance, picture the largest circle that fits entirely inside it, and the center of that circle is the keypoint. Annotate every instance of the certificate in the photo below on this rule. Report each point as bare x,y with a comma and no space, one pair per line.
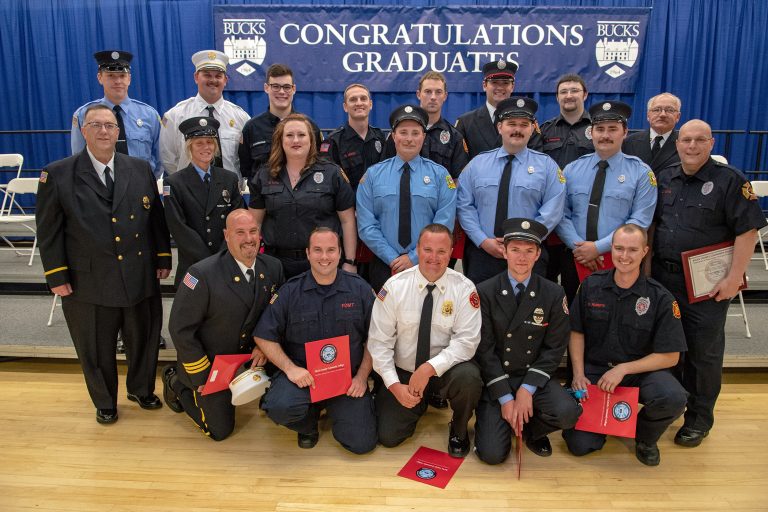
223,371
431,467
705,267
614,413
328,362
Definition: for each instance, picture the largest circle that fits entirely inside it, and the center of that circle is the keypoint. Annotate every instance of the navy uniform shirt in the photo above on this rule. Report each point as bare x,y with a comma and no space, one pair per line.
714,205
623,325
304,311
346,149
142,130
292,213
563,141
443,144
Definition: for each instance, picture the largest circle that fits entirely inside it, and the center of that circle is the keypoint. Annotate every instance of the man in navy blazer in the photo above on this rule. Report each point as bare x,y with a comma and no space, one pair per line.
656,146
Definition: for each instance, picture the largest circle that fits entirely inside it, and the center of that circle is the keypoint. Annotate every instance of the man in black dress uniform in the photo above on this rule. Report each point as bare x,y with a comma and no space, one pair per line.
104,246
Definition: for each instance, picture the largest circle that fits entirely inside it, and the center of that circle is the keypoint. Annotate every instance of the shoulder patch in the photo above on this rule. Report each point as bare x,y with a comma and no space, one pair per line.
652,178
190,281
382,294
324,147
43,177
675,309
747,192
560,175
474,300
450,182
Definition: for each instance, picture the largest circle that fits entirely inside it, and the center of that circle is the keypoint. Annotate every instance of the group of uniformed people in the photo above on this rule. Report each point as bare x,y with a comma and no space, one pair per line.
564,200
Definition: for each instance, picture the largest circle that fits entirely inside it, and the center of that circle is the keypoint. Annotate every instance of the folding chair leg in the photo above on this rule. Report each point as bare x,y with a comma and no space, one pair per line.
762,248
32,255
744,314
53,307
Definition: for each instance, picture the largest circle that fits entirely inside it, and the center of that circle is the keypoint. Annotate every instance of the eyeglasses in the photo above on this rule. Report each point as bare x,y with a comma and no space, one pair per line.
501,82
666,110
573,92
279,87
110,127
699,141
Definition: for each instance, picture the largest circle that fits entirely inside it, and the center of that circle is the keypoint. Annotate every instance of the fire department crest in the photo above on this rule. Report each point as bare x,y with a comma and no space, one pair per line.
642,305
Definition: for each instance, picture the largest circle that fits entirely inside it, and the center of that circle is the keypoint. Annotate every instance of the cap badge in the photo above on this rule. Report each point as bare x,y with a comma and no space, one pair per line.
525,224
203,122
139,123
427,181
501,64
521,103
408,109
115,55
622,178
211,55
318,177
606,106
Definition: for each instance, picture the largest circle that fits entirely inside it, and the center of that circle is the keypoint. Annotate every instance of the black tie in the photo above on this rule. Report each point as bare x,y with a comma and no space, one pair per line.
217,159
109,182
122,141
519,295
425,328
207,180
502,201
593,210
656,146
404,228
251,277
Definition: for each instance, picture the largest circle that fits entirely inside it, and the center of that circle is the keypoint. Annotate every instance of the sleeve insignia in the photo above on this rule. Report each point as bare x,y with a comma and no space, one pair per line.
560,175
450,182
273,298
474,300
43,177
344,175
190,281
675,309
565,306
749,194
382,294
652,178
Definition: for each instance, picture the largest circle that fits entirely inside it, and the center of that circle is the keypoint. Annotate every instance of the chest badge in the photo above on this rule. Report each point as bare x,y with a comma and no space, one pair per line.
377,145
642,305
225,196
538,316
447,308
427,181
504,292
622,178
533,293
318,177
707,188
530,169
139,123
445,136
145,202
231,123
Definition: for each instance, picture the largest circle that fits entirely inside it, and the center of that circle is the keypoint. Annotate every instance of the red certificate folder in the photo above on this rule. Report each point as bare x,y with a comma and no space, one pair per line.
223,371
583,271
614,413
328,362
431,467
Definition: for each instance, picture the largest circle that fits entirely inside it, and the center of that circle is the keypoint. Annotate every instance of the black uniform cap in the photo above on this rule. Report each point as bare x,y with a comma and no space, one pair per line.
408,112
610,111
516,106
116,61
524,229
199,127
500,69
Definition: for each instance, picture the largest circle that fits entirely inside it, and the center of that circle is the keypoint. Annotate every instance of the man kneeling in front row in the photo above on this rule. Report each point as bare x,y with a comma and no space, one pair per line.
626,331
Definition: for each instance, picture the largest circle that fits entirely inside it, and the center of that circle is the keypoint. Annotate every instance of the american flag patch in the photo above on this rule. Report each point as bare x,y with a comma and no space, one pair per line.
382,294
43,177
324,147
190,281
166,190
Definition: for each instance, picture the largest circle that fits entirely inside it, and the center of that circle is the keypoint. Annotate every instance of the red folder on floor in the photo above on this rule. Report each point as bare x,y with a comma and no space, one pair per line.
614,413
223,371
431,467
328,362
583,271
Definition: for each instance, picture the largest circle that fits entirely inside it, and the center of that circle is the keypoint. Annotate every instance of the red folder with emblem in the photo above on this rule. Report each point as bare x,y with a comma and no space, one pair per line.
431,467
223,371
583,271
614,413
328,362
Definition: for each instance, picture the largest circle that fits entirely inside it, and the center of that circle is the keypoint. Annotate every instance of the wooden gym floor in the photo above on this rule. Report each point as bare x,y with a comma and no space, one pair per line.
55,457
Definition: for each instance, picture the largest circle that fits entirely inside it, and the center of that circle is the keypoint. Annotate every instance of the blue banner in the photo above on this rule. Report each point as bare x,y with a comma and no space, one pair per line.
388,48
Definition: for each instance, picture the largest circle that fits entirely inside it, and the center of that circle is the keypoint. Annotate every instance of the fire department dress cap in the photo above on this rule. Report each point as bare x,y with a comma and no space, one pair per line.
199,127
516,106
115,61
248,384
210,59
408,113
610,111
527,230
500,69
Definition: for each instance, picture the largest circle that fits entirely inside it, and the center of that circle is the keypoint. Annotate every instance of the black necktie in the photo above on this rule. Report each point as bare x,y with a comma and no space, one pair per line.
519,295
404,227
656,146
593,210
251,277
217,159
425,328
122,141
108,181
502,200
207,180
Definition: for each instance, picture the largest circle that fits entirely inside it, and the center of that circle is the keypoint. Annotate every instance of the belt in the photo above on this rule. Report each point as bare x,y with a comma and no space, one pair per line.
671,266
297,254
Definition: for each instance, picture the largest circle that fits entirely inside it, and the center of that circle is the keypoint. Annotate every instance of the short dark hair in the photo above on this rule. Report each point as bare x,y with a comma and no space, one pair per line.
97,106
436,228
276,70
323,229
571,77
433,75
631,229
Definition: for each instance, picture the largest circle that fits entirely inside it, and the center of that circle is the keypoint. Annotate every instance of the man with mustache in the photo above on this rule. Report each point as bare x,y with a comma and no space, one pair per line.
511,181
214,312
605,189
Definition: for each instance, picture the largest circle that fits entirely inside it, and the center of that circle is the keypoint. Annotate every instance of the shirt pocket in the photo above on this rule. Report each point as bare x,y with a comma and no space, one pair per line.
272,194
487,192
702,212
384,198
618,200
304,327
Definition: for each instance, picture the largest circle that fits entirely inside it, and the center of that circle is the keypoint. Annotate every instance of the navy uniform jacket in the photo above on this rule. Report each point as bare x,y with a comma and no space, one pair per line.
443,144
479,131
305,311
621,326
523,343
256,142
345,148
563,141
215,309
196,217
639,145
109,251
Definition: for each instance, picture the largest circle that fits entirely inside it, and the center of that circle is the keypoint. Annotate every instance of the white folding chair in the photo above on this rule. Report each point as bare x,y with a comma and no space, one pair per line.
11,160
7,217
743,313
761,190
53,307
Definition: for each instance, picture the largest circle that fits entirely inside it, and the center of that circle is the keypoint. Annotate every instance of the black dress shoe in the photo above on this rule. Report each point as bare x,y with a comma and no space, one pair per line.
647,453
458,447
146,402
437,401
169,395
308,441
690,437
106,416
540,447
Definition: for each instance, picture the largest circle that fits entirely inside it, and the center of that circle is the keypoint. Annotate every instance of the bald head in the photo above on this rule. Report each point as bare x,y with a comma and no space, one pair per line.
235,216
242,236
694,145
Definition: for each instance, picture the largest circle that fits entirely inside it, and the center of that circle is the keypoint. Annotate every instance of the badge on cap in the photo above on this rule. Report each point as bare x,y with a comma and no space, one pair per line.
377,145
115,55
622,178
530,169
203,122
642,305
501,65
445,136
525,224
139,123
408,109
427,181
707,188
318,177
521,103
211,55
606,106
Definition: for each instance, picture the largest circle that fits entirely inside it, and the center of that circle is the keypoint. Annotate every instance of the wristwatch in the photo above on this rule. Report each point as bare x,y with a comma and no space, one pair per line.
349,261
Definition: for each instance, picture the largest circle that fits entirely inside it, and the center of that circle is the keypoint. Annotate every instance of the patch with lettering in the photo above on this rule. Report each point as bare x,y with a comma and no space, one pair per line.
450,182
560,175
652,178
474,300
675,309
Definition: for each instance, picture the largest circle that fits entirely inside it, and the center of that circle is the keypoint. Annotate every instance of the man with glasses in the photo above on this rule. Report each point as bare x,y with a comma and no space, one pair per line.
104,246
139,123
656,146
702,202
256,139
478,126
211,78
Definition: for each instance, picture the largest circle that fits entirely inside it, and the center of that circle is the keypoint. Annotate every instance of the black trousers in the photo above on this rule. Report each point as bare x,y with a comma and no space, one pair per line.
94,329
378,273
214,414
701,368
663,400
553,409
478,265
561,263
461,385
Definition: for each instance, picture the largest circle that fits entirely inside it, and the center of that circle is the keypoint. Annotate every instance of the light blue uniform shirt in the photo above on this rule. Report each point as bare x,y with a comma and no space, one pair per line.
536,191
433,200
142,130
629,196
